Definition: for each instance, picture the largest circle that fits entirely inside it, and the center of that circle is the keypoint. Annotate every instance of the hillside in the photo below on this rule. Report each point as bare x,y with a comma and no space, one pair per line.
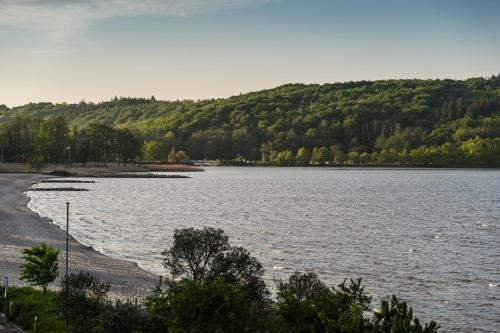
380,121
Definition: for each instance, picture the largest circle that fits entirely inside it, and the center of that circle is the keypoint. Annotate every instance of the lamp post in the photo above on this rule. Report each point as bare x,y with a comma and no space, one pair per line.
69,153
67,260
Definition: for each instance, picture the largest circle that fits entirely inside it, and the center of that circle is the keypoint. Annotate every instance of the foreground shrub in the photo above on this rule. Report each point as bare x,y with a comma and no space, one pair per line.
29,302
207,306
395,316
306,304
125,317
220,289
87,301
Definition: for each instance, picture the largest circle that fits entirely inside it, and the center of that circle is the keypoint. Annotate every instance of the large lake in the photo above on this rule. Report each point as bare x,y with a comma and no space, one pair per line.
430,236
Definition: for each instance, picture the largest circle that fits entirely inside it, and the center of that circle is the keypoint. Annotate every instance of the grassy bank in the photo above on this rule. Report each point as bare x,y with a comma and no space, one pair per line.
26,304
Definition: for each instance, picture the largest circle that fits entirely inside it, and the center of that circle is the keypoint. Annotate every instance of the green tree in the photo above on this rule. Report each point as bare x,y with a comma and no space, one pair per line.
125,317
366,117
353,158
171,156
306,304
302,156
181,156
212,306
193,252
395,316
320,155
206,254
170,141
37,163
236,265
152,151
40,266
87,297
3,141
83,147
285,158
53,139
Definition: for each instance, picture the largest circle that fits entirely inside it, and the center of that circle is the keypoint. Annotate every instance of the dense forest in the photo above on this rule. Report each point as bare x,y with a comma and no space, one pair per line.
391,122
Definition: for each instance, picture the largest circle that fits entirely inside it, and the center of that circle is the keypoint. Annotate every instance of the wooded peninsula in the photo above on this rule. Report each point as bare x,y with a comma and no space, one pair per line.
379,123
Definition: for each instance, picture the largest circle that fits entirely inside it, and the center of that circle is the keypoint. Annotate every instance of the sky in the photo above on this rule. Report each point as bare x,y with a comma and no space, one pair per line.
73,50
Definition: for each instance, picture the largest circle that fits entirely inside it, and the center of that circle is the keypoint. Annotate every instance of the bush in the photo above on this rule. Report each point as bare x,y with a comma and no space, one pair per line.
37,163
125,317
29,302
87,301
305,304
208,306
394,316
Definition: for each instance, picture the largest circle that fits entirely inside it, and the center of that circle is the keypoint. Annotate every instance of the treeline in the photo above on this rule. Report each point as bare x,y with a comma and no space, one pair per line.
392,122
52,140
215,287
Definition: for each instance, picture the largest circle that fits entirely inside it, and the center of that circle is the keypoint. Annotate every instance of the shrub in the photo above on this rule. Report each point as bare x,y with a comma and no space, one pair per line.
28,303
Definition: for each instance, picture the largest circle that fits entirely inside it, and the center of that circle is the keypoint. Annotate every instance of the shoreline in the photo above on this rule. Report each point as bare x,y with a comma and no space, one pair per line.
21,228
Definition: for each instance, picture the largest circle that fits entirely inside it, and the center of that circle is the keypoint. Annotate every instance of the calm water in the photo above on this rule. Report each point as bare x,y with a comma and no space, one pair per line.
430,236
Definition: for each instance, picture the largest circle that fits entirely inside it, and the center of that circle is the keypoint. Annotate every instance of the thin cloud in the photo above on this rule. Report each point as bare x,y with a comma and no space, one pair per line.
49,51
63,17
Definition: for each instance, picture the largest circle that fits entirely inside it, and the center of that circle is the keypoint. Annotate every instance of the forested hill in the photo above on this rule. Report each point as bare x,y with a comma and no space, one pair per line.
392,121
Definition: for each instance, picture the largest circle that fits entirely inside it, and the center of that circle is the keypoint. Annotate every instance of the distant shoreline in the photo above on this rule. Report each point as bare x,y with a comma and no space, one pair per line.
114,171
76,170
21,228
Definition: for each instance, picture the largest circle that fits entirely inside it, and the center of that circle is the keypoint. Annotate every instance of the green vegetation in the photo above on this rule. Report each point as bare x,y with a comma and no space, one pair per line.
28,303
393,122
40,266
216,287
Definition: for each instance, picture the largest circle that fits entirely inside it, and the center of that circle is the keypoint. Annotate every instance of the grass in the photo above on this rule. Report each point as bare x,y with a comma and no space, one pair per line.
27,303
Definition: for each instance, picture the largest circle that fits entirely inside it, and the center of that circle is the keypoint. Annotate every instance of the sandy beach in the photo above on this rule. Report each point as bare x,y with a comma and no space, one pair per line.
21,228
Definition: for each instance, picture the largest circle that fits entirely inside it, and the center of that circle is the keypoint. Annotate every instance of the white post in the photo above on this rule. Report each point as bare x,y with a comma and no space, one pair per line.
36,318
6,286
10,309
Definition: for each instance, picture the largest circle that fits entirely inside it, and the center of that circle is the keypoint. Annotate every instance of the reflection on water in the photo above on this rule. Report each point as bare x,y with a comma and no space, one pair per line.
430,236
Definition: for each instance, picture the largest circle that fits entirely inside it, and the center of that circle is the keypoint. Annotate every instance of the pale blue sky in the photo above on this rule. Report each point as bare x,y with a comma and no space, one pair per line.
69,50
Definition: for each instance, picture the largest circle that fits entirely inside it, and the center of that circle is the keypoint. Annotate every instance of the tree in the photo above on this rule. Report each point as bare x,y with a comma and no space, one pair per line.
320,155
366,117
152,151
285,158
306,304
206,254
302,156
394,316
353,158
83,147
237,266
3,141
194,251
37,163
87,301
125,317
53,139
170,141
40,265
212,306
181,156
171,155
